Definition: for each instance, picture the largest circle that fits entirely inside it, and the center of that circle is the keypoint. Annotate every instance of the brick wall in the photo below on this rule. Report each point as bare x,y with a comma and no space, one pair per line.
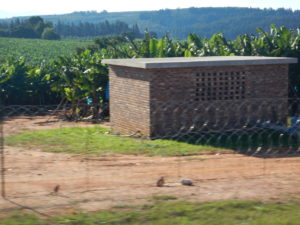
165,102
129,100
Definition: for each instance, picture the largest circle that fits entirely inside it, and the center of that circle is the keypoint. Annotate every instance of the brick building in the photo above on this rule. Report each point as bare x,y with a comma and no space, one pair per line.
159,97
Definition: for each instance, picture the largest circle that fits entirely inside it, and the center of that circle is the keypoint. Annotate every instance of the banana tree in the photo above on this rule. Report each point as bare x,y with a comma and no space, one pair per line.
79,78
151,47
194,46
242,45
92,79
262,44
15,85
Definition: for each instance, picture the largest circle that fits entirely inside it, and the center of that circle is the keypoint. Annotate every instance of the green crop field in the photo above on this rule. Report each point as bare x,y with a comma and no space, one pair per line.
37,50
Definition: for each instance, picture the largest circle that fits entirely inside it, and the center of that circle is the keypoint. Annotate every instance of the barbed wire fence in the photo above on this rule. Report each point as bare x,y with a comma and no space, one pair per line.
212,142
254,127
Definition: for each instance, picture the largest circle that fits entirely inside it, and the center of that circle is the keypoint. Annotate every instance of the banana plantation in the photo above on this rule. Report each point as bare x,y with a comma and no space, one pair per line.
82,78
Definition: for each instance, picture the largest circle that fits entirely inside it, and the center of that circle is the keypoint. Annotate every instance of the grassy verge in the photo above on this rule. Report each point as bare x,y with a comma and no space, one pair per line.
170,212
97,140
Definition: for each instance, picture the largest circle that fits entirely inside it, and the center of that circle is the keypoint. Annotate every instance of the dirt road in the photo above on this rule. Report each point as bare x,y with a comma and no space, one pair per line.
90,184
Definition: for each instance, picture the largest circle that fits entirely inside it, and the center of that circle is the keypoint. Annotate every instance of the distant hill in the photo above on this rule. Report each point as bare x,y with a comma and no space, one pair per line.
202,21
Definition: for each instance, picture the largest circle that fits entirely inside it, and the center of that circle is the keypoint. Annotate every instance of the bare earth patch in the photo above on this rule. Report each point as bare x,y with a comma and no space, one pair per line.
90,184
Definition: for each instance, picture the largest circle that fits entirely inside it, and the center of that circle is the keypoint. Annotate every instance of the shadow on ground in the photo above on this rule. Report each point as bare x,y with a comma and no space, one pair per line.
255,141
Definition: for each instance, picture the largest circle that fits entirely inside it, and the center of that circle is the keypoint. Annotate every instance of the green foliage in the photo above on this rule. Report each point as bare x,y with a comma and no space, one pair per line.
6,72
164,197
50,34
113,47
82,75
22,219
74,140
89,29
13,79
277,42
78,78
35,51
178,213
34,27
19,85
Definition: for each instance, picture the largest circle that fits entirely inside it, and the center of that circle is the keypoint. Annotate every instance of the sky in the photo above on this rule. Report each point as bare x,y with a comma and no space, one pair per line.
9,8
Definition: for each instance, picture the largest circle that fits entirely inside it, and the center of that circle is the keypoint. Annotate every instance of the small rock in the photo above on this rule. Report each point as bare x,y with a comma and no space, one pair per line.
186,182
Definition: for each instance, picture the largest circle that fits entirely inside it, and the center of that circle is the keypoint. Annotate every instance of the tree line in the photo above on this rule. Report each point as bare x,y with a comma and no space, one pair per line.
205,22
34,27
105,28
82,78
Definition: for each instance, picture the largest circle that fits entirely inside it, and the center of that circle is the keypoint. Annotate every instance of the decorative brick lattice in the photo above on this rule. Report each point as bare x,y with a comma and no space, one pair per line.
220,86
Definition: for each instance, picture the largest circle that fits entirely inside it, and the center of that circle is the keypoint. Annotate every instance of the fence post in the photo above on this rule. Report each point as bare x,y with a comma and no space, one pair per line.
2,151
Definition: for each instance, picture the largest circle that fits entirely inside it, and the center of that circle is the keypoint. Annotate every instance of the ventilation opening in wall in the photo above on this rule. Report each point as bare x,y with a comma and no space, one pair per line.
220,85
